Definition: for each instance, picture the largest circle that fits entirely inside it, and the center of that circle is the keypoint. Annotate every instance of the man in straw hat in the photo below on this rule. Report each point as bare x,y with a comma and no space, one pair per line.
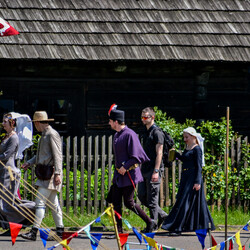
48,161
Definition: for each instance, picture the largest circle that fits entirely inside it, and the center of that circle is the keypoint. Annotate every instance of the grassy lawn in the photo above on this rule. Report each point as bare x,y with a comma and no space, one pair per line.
235,218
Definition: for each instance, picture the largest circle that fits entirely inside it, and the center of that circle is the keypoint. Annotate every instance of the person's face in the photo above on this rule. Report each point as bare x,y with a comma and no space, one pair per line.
189,139
146,118
6,124
38,126
112,124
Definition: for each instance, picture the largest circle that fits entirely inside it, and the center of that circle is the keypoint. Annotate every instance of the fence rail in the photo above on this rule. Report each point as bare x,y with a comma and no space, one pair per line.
88,174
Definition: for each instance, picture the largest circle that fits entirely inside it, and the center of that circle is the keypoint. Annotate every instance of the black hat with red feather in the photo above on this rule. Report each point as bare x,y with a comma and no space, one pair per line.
115,114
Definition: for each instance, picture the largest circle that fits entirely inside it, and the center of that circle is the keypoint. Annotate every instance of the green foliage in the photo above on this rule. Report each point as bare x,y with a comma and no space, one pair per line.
214,133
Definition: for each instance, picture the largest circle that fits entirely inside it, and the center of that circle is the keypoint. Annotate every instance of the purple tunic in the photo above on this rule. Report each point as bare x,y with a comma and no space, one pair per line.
128,149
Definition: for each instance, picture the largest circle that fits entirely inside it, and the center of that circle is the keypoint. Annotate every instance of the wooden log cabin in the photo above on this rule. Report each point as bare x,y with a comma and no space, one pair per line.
75,58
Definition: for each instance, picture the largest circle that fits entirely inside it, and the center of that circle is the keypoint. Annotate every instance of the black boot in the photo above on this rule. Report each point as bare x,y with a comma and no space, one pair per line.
31,235
59,231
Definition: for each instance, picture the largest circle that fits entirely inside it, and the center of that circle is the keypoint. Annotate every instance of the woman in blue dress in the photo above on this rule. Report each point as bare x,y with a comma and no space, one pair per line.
190,212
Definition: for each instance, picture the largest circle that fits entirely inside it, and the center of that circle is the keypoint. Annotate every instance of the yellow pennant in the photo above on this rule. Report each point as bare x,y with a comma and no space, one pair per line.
151,242
108,212
64,243
213,248
237,237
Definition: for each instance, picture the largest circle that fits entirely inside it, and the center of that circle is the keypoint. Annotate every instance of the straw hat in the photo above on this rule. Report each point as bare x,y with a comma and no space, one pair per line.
41,116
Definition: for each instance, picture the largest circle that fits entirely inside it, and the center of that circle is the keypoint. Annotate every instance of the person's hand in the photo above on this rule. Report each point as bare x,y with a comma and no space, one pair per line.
197,187
25,165
122,171
155,177
57,179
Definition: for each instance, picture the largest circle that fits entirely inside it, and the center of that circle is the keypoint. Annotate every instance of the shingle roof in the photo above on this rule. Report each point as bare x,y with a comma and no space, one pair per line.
127,29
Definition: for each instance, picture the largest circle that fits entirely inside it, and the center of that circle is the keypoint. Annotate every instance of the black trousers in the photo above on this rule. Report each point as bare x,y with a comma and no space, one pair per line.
127,193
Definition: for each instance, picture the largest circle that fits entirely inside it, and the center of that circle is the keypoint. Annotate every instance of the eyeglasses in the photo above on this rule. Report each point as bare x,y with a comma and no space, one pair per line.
145,117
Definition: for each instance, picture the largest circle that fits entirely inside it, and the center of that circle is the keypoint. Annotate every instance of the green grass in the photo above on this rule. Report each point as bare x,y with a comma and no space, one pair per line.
235,218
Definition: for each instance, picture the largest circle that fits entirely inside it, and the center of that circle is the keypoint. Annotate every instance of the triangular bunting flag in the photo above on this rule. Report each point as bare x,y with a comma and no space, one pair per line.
108,212
69,236
213,248
50,248
64,243
231,245
244,248
118,215
127,223
123,238
214,243
96,237
246,227
6,29
137,234
14,230
201,234
222,245
44,234
237,237
98,220
87,231
150,241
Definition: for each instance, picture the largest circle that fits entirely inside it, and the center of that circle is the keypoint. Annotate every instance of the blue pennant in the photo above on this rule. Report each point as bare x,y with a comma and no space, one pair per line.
246,227
96,237
201,234
137,234
97,219
44,234
222,245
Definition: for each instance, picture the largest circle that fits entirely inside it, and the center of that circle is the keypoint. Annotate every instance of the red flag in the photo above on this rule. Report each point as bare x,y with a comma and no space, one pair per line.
66,235
6,29
14,230
231,245
123,238
214,243
118,215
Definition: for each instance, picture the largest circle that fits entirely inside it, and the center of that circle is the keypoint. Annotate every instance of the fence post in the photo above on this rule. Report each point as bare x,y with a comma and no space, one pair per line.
82,174
110,160
173,182
103,172
75,201
233,153
238,171
67,173
167,201
96,175
246,202
89,201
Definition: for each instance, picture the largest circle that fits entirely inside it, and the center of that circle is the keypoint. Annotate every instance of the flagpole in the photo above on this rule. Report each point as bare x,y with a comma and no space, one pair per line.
226,173
115,226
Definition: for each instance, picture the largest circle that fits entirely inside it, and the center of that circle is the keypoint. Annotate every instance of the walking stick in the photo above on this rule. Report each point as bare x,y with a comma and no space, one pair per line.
115,226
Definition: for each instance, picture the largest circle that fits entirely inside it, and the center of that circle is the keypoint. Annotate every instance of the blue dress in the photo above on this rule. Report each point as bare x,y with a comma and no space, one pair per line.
190,212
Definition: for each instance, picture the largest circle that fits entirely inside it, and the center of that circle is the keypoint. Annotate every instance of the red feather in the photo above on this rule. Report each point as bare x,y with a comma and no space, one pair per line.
113,106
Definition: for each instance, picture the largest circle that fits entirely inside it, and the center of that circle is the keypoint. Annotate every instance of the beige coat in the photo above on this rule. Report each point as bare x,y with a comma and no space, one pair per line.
49,151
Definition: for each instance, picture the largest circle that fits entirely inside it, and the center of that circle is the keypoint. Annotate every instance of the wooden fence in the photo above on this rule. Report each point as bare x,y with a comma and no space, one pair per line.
85,155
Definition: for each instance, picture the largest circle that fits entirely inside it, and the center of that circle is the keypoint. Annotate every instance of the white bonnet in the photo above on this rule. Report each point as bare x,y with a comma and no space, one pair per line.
200,139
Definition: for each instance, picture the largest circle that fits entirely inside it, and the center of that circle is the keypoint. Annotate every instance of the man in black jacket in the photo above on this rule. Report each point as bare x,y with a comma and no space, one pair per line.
148,191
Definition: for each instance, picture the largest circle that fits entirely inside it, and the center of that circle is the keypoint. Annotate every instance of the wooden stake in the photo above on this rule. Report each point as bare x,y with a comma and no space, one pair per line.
115,227
226,189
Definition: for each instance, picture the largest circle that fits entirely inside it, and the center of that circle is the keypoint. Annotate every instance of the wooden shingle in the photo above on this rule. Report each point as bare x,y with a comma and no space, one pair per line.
132,30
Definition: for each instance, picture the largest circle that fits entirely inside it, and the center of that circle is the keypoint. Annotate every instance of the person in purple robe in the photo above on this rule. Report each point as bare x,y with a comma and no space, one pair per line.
129,155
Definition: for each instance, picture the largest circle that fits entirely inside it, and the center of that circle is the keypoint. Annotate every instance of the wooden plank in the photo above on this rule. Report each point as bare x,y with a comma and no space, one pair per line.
75,201
110,147
61,192
233,165
166,185
103,173
82,174
246,202
67,173
96,175
173,182
238,159
89,201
